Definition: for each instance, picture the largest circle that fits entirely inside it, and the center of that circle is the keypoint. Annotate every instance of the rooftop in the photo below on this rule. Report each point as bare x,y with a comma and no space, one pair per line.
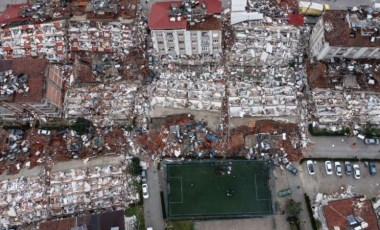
35,69
11,14
339,33
210,23
159,20
99,221
336,213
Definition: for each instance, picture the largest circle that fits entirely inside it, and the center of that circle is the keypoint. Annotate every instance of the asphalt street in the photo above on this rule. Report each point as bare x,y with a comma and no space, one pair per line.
152,205
340,147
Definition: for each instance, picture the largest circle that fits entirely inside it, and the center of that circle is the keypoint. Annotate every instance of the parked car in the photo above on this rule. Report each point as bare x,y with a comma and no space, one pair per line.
372,168
338,168
356,170
145,191
284,192
310,167
43,132
328,167
347,166
143,176
292,169
371,141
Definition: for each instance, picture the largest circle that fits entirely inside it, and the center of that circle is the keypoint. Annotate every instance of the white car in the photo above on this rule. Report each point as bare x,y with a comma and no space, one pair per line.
328,167
43,132
310,167
338,168
145,191
356,170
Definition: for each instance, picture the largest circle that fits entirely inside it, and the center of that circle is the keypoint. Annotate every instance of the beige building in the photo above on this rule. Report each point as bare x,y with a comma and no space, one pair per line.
346,34
186,28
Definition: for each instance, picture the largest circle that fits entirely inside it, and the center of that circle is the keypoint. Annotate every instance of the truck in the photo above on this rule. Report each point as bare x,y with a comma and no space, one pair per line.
312,8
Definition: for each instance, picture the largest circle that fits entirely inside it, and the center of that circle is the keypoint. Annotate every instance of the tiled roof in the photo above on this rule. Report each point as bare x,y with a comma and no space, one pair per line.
159,14
11,14
159,17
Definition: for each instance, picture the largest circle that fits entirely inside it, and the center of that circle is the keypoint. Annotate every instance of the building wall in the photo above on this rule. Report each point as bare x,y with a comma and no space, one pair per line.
54,86
322,50
181,42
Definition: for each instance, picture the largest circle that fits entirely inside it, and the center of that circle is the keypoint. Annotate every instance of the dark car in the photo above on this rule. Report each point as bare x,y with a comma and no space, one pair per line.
372,168
292,169
348,168
143,176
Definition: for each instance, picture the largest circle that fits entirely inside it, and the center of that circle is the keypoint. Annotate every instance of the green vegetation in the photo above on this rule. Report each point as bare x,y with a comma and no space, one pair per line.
293,226
372,131
134,167
180,225
81,125
218,189
293,208
323,132
138,211
313,221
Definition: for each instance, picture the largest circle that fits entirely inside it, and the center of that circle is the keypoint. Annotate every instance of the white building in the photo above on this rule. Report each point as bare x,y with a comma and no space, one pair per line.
186,28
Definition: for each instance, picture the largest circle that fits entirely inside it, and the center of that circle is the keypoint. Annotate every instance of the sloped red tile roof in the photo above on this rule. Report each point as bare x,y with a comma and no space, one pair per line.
213,6
295,19
159,17
337,211
11,14
159,14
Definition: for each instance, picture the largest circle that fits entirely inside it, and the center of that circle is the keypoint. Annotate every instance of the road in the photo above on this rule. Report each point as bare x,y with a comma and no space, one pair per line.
152,205
343,4
340,147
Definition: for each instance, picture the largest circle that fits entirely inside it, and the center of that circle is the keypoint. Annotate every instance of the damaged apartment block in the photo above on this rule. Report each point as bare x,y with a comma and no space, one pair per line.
186,31
353,34
264,34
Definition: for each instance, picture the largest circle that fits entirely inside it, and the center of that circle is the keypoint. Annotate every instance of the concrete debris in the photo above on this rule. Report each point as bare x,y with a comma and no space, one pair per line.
10,84
105,105
35,40
57,193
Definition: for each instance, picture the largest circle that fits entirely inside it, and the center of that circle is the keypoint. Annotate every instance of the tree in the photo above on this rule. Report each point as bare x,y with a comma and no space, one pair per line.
82,125
134,167
293,208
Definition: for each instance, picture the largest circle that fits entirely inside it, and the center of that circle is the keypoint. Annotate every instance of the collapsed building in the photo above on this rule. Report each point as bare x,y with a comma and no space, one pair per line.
350,34
30,88
346,108
265,34
66,189
105,105
275,95
178,90
187,28
35,40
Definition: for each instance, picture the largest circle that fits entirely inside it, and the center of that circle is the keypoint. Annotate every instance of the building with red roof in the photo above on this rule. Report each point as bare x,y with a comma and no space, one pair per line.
12,14
186,27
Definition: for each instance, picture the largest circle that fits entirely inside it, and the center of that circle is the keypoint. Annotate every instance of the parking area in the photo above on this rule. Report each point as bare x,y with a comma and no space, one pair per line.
321,182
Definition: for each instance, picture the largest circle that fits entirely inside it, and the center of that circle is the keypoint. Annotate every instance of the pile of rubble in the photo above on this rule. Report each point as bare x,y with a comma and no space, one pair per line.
91,185
10,84
80,190
265,92
344,108
23,200
180,90
104,37
259,44
105,105
38,40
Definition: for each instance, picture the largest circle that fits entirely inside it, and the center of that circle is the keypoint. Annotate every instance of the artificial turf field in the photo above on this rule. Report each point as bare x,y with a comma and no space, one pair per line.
206,190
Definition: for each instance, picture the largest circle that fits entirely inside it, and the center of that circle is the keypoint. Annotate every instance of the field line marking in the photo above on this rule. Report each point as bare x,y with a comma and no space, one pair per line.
181,202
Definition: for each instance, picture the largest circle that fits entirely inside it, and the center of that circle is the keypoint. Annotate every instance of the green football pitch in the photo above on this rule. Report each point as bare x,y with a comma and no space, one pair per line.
217,189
